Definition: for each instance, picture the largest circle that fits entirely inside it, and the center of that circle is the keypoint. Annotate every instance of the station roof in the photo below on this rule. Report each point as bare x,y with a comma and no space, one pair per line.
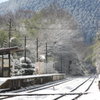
10,49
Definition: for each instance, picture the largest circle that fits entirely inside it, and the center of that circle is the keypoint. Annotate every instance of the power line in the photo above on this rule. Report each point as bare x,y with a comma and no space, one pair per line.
68,28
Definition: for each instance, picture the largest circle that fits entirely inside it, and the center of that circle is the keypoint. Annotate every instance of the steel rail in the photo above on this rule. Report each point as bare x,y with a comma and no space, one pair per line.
61,94
39,88
30,87
85,90
74,88
33,94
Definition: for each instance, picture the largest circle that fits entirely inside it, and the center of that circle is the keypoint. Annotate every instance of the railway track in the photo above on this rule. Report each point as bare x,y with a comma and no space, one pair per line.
71,93
32,89
35,87
77,93
85,90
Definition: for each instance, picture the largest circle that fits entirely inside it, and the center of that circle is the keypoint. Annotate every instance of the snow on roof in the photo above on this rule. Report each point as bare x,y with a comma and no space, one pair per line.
11,50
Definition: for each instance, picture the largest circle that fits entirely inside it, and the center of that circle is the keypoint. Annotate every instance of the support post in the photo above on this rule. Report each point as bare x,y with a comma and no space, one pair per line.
61,63
9,63
2,64
70,62
10,24
46,58
25,49
38,66
46,54
37,50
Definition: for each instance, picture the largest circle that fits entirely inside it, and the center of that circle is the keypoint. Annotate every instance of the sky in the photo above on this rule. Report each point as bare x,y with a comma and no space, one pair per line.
3,1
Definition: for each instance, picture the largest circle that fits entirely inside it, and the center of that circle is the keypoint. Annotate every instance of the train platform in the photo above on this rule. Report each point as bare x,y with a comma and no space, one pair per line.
24,81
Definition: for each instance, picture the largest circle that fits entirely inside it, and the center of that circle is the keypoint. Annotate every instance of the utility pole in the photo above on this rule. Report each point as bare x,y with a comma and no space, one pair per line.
46,54
46,58
25,48
10,26
25,39
37,49
61,63
37,56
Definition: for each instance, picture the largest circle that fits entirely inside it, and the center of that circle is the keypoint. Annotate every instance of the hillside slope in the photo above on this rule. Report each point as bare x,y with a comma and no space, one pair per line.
87,13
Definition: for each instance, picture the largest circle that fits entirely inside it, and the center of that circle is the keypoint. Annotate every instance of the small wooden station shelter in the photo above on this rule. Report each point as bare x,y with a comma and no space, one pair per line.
5,63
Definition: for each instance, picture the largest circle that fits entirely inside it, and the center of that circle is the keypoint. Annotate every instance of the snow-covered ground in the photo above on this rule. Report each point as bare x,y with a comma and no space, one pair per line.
94,93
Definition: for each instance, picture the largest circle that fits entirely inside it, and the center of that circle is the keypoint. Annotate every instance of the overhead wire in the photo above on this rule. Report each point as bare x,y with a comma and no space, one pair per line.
60,28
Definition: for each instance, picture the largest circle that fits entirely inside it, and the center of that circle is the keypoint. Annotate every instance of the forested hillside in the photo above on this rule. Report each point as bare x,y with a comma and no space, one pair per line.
86,13
65,32
52,26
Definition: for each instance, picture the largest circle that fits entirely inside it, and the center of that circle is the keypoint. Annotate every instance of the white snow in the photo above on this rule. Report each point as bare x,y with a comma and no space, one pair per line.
4,79
94,93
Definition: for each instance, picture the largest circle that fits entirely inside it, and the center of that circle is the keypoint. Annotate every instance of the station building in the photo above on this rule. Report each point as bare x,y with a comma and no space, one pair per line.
5,60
